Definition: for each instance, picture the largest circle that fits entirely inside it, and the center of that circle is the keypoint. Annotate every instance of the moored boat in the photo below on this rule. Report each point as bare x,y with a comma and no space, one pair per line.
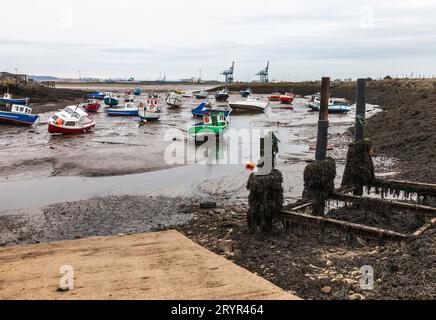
174,100
335,105
206,108
7,98
150,111
213,124
187,94
128,109
137,91
129,98
287,98
274,96
222,95
202,94
71,120
250,104
111,100
17,114
245,93
91,105
96,95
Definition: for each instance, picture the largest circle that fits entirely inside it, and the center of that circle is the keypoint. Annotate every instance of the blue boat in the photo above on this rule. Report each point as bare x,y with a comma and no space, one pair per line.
18,114
205,108
96,95
200,110
129,109
245,93
7,98
137,91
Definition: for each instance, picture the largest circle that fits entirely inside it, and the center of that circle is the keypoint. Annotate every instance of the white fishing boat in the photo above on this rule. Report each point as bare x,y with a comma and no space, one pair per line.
335,105
150,111
129,98
71,120
250,104
174,100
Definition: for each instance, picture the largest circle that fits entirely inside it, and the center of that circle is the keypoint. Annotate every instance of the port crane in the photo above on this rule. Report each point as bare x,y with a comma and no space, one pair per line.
263,74
229,73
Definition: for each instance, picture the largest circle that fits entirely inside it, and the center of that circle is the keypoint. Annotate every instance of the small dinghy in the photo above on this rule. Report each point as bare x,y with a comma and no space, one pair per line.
137,91
201,95
274,96
128,96
96,95
174,100
250,104
71,120
17,114
111,100
150,111
336,105
129,109
91,105
287,98
245,93
213,124
187,94
7,98
205,108
222,95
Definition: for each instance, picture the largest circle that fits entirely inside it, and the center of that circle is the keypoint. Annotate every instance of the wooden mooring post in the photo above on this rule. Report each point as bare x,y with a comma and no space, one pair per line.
323,122
360,110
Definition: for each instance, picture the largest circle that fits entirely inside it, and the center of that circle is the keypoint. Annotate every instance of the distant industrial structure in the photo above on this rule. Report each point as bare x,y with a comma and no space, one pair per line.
228,74
263,74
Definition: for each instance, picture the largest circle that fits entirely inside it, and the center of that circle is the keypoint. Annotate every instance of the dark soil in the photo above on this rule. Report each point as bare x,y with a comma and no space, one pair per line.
303,261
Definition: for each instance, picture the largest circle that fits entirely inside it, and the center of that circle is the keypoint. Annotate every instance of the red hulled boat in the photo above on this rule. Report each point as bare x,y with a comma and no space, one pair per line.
287,98
92,105
274,96
71,120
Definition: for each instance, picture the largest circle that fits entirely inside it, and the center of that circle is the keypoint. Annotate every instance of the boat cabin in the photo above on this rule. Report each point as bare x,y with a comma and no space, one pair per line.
16,108
215,119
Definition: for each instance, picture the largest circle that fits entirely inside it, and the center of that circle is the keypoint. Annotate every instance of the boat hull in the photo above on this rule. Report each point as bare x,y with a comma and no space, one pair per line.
18,118
331,109
96,95
120,112
109,101
222,96
274,98
286,100
52,128
14,101
251,107
92,107
150,116
137,92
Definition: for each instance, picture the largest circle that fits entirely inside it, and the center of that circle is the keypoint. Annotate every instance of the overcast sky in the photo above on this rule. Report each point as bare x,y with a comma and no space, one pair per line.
301,39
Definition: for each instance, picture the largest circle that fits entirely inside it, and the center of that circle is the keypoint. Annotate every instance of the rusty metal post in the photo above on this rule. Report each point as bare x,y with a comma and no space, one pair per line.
360,110
323,123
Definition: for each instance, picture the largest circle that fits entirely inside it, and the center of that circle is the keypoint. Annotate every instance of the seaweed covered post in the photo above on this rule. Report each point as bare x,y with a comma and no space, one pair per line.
266,191
359,168
319,175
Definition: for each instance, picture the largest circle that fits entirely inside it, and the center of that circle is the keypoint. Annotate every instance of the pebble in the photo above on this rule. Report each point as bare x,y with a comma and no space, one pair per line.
356,296
326,290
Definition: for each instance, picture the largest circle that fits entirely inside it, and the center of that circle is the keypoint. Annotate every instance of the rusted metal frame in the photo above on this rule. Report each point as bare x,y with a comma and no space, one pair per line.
418,187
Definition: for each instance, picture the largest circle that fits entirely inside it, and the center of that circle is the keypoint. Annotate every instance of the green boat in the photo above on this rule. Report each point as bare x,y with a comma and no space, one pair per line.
213,124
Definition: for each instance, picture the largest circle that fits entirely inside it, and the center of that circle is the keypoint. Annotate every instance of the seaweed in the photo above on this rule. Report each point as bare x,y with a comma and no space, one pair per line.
319,183
265,200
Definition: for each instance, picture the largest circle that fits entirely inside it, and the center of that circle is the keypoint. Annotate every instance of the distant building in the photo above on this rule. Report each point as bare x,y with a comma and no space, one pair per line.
21,78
